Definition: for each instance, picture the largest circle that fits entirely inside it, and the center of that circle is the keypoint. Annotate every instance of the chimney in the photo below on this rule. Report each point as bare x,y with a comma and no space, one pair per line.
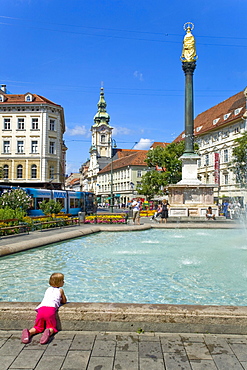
4,88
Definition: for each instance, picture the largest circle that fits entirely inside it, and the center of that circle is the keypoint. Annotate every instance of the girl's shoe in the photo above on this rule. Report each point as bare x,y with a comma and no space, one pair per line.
45,337
25,336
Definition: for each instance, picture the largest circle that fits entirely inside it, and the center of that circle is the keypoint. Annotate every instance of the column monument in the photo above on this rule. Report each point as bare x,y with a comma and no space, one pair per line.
189,197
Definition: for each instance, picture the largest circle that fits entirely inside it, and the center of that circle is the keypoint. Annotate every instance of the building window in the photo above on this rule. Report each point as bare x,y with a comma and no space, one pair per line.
6,171
28,98
225,134
207,160
139,173
52,147
51,172
52,125
226,116
226,156
102,138
6,146
20,146
6,124
21,124
19,171
34,171
34,146
215,121
226,179
35,123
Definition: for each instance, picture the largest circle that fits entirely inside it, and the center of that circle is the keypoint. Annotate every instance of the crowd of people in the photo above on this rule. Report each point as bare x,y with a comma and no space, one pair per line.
230,209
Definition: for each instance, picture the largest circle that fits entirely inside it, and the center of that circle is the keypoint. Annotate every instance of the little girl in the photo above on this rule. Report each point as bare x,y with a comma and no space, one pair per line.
46,310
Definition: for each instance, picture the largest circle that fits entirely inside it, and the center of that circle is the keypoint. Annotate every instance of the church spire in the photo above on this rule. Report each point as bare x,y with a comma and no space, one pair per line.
101,117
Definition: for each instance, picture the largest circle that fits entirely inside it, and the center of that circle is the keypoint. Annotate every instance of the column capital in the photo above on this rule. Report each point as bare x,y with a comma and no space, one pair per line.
189,67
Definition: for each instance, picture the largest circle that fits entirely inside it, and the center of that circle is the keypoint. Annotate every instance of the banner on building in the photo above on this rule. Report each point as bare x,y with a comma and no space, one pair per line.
217,168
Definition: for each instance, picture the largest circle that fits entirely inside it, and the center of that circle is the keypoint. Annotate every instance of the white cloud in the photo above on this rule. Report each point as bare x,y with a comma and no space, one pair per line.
138,75
144,144
71,168
121,131
77,130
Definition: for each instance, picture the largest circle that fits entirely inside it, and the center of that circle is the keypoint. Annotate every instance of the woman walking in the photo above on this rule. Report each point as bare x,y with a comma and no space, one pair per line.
164,212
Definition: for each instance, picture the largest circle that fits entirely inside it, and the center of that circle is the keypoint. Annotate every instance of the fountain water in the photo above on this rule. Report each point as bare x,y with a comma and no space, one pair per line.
157,266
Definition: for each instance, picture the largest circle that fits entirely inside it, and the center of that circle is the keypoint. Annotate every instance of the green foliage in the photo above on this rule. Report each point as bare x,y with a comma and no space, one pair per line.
169,166
151,183
8,214
239,161
140,331
50,207
16,199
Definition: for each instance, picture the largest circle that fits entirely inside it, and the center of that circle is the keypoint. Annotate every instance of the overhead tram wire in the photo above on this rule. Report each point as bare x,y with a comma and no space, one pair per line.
123,30
128,38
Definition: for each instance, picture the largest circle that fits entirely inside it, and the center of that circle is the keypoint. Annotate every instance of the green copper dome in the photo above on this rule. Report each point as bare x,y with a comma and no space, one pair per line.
101,117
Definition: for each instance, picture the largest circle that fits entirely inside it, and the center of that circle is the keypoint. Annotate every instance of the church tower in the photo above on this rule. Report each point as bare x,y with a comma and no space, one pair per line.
101,148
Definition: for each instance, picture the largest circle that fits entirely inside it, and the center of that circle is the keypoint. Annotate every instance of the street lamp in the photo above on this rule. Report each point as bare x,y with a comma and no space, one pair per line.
114,145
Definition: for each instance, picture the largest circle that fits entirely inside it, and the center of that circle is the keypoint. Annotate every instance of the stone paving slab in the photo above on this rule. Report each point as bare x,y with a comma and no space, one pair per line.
69,350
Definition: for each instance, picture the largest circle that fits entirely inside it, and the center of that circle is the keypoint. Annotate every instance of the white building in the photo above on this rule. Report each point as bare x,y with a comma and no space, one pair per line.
215,132
101,149
32,147
121,176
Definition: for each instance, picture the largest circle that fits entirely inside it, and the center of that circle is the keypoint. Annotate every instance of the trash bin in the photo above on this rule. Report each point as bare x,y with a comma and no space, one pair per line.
82,216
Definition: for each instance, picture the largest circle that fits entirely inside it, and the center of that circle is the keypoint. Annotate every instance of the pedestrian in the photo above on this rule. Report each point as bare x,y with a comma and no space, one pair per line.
225,208
46,311
164,211
136,206
157,213
209,214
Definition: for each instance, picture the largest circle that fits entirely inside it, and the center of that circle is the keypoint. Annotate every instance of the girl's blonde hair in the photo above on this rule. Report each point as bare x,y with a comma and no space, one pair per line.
56,279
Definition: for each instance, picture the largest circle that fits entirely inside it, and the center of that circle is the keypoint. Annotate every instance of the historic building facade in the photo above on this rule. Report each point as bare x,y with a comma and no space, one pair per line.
101,150
32,148
120,178
110,171
215,132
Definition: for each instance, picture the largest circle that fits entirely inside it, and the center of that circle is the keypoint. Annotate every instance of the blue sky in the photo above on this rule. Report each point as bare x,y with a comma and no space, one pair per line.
64,50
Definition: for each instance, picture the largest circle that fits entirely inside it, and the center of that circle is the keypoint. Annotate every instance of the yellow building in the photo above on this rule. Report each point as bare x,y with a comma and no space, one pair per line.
32,147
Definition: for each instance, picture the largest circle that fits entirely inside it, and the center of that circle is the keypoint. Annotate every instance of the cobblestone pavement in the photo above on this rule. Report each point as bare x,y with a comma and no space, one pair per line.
124,351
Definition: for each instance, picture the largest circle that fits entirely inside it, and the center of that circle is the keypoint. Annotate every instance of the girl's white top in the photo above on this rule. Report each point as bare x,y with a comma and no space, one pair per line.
52,298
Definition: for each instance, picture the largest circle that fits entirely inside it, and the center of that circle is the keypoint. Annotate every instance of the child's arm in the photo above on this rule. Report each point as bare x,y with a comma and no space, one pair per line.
63,296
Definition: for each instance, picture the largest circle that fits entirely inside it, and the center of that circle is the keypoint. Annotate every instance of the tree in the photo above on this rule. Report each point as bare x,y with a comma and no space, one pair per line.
50,207
16,199
239,161
166,169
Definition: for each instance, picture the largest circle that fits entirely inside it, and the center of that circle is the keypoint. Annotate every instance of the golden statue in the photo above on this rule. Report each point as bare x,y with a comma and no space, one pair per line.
189,44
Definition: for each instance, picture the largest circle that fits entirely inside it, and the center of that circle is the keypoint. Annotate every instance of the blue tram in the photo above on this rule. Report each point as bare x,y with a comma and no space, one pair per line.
72,201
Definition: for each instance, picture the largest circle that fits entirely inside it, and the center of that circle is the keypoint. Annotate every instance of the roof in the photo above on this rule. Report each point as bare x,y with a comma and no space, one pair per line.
135,159
74,182
157,143
121,153
228,111
20,99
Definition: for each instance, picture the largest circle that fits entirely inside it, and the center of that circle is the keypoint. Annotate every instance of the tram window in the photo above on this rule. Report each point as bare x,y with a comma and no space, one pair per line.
82,203
39,200
77,203
72,203
61,201
32,203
